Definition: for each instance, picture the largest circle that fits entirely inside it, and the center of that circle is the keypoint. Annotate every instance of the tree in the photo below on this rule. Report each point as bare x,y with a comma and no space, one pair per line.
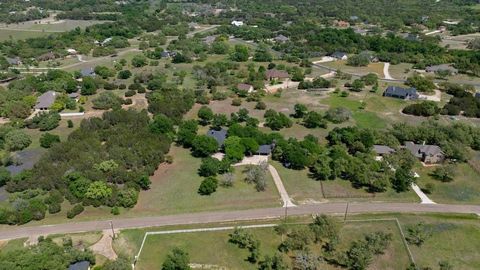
444,173
273,263
314,120
17,140
204,146
139,61
240,53
234,149
262,54
417,234
402,180
161,124
425,108
422,84
325,230
321,169
89,87
338,115
205,114
177,259
357,85
358,61
5,176
47,140
98,190
121,263
208,186
300,110
209,167
474,44
187,132
370,79
124,74
106,101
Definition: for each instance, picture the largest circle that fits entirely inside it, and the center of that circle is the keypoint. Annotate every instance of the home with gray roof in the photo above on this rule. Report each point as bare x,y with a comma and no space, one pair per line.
87,72
46,100
383,150
219,135
209,39
245,87
442,68
400,92
14,61
265,149
81,265
429,154
339,55
477,95
281,39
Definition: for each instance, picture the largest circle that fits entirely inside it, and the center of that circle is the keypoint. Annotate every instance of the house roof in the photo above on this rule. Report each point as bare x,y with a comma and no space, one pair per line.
281,38
218,135
209,39
265,149
383,149
14,60
401,92
477,95
419,150
338,54
244,86
275,73
87,72
46,100
82,265
73,95
441,67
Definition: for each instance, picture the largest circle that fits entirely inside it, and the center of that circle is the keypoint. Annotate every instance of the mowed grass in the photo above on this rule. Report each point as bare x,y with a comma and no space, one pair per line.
464,189
376,68
304,189
174,189
224,254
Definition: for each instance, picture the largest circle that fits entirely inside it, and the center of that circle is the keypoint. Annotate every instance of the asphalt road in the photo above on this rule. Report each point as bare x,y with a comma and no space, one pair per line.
223,216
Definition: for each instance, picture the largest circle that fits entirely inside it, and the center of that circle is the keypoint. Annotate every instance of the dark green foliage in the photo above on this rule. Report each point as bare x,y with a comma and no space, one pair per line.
15,140
177,259
70,123
424,108
338,115
444,173
47,140
107,100
171,102
4,176
208,186
203,146
76,210
162,125
275,262
277,121
314,120
205,114
402,179
240,53
45,255
417,234
187,132
422,84
44,121
89,87
325,231
361,252
212,166
358,60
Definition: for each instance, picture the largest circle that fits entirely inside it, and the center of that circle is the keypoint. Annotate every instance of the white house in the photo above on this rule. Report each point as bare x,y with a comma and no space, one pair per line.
72,51
237,23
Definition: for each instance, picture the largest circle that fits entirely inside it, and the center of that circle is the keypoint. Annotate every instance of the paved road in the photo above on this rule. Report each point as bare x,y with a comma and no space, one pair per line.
252,214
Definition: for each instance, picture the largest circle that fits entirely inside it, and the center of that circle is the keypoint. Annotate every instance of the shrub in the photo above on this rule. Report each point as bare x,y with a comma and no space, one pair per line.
115,211
130,93
236,102
70,124
75,211
47,140
54,208
260,105
208,186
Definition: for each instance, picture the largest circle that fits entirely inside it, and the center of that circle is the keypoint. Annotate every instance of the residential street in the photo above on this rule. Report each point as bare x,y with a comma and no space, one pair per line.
222,216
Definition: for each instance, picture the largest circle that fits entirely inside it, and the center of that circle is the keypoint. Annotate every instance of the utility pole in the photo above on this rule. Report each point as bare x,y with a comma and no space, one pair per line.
346,212
286,212
113,231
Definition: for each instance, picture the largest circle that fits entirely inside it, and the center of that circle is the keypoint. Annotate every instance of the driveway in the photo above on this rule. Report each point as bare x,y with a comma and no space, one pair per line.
386,71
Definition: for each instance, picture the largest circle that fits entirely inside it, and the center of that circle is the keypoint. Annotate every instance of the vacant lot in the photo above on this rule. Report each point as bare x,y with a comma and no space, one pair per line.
303,189
224,254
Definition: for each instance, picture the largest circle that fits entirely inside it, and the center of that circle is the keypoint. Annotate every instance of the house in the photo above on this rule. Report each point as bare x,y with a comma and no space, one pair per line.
209,39
72,51
265,149
281,39
477,95
442,68
341,24
106,41
81,265
167,54
383,150
219,135
275,74
370,56
400,92
245,87
411,37
87,72
429,154
15,61
353,18
46,100
193,25
47,56
237,23
339,55
75,96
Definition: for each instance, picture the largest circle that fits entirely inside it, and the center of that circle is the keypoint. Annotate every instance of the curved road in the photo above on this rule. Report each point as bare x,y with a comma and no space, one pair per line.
223,216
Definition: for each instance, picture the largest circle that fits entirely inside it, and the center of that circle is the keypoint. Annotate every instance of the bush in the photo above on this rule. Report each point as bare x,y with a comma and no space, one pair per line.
75,211
17,140
115,211
70,124
429,188
122,86
107,100
236,102
124,74
260,105
44,121
208,186
128,101
130,93
425,108
47,140
338,115
344,94
54,208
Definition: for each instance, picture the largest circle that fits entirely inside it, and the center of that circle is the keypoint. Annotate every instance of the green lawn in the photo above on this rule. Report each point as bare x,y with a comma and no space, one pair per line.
464,189
224,254
304,189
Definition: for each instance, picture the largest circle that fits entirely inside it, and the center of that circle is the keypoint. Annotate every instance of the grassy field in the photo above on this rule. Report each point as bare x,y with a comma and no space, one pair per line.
224,254
464,189
303,189
376,68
